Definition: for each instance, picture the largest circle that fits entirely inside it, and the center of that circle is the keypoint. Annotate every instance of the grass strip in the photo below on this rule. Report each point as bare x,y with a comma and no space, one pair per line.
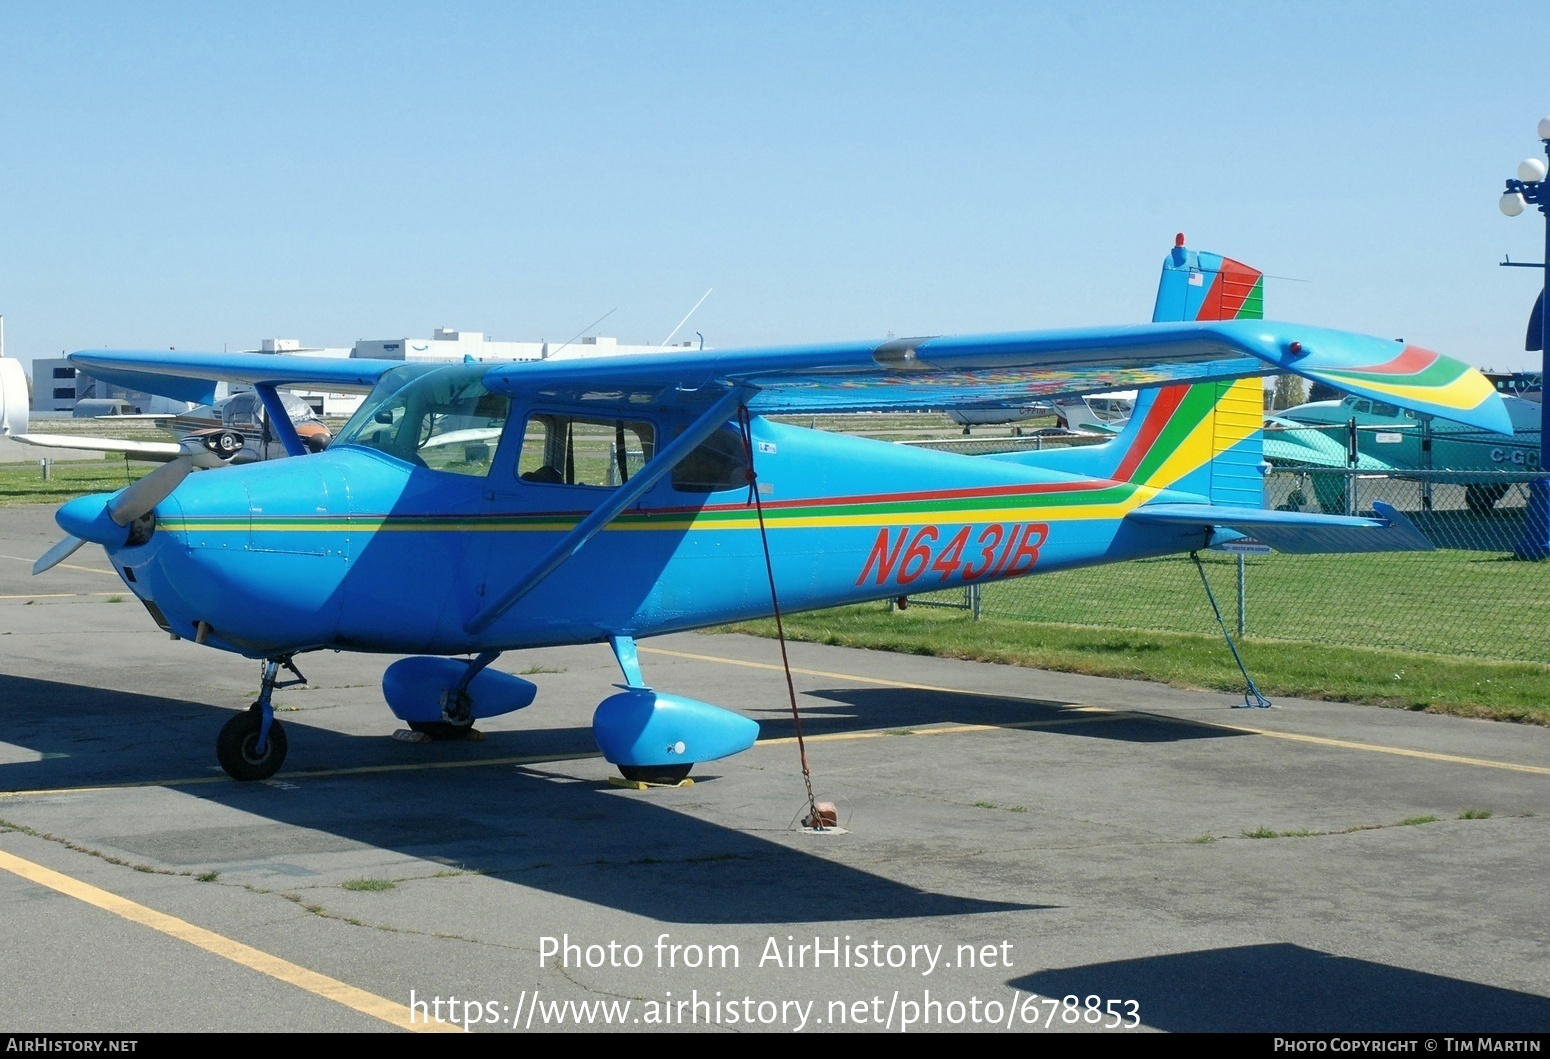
1506,691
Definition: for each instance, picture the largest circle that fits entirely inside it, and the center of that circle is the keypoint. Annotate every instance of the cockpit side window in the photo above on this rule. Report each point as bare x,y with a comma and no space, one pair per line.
459,434
443,421
561,449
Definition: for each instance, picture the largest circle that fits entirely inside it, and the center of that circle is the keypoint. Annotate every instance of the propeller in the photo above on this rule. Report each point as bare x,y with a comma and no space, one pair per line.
107,522
126,505
57,554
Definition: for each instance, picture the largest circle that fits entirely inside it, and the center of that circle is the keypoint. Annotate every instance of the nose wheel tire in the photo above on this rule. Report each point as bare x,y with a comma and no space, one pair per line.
236,748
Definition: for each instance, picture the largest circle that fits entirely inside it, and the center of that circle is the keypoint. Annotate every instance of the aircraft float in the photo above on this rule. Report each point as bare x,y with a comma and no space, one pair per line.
474,509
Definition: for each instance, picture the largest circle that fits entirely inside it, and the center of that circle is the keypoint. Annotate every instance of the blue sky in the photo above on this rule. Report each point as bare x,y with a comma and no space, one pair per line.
209,175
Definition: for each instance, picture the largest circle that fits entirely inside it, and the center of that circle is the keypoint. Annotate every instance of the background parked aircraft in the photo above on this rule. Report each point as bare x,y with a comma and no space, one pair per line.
235,429
1390,438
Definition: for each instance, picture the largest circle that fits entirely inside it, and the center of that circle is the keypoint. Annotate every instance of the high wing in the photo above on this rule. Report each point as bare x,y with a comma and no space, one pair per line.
982,371
153,451
192,376
962,372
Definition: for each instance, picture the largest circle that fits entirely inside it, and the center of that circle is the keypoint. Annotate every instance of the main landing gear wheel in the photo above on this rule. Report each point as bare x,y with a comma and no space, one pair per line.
236,747
666,774
443,731
1482,498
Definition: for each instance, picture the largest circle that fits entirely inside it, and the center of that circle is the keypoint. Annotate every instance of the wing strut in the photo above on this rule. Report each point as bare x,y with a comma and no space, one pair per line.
711,421
280,421
1259,701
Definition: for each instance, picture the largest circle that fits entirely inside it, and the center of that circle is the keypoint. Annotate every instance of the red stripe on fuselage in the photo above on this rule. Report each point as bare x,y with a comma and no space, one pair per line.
1032,489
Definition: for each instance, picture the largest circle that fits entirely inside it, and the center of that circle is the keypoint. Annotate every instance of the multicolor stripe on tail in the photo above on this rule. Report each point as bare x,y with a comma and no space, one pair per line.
1203,439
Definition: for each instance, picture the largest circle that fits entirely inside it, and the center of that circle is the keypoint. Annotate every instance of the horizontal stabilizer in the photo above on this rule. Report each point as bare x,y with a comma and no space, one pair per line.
1296,532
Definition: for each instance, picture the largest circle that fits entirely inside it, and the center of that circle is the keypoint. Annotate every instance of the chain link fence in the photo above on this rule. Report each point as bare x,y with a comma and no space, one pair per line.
1471,596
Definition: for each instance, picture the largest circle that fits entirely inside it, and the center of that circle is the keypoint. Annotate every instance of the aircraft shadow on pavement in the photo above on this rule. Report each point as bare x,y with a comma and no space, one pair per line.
531,826
867,709
1282,988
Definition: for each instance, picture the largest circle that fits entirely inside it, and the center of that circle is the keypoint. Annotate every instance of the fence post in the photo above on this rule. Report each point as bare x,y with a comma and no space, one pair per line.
1426,463
974,601
1242,599
1352,457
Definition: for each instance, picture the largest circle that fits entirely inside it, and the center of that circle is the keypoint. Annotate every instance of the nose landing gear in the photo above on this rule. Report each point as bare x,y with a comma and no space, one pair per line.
252,744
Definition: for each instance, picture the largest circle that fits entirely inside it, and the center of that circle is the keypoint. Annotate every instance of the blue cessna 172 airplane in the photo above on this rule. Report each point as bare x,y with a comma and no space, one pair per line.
478,508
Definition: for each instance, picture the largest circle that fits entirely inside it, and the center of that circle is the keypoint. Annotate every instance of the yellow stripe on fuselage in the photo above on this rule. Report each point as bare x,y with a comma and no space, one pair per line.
1110,510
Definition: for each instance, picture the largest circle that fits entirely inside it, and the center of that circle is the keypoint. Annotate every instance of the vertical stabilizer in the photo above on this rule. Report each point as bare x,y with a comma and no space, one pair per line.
1201,286
1205,438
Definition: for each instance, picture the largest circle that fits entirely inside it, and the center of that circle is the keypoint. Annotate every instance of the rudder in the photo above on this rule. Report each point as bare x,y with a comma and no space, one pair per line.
1205,438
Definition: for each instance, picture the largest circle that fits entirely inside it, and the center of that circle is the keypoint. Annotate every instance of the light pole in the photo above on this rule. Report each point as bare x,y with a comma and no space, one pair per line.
1531,188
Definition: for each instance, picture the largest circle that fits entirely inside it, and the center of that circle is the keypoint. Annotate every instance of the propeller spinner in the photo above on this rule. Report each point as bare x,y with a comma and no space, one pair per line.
107,519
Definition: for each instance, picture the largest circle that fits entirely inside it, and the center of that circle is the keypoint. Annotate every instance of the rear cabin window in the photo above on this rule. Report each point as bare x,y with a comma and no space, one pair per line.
560,449
719,462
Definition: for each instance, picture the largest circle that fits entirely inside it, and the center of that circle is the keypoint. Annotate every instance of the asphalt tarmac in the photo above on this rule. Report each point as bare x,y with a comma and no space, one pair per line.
1010,839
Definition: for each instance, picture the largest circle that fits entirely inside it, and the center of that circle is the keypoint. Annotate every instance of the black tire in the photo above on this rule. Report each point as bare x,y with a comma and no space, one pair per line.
234,748
441,731
1482,498
656,773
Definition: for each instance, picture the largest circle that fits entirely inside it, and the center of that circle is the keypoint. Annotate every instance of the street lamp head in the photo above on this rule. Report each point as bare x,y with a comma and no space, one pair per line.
1544,128
1511,204
1531,170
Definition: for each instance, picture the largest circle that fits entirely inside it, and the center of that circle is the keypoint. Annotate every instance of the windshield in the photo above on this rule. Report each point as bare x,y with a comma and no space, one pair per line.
443,419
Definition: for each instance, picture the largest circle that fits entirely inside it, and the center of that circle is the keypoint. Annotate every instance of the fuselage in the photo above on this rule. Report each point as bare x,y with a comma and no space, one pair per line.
398,537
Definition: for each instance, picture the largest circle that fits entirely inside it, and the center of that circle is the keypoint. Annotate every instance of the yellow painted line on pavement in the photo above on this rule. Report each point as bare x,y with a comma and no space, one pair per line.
839,676
1377,748
60,595
65,566
1342,744
950,729
245,955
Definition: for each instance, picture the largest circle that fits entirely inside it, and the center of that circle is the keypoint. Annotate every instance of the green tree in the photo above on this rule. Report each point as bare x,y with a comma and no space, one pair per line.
1289,392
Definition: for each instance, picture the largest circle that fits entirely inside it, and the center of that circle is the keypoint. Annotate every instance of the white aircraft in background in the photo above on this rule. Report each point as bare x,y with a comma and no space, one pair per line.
1095,413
